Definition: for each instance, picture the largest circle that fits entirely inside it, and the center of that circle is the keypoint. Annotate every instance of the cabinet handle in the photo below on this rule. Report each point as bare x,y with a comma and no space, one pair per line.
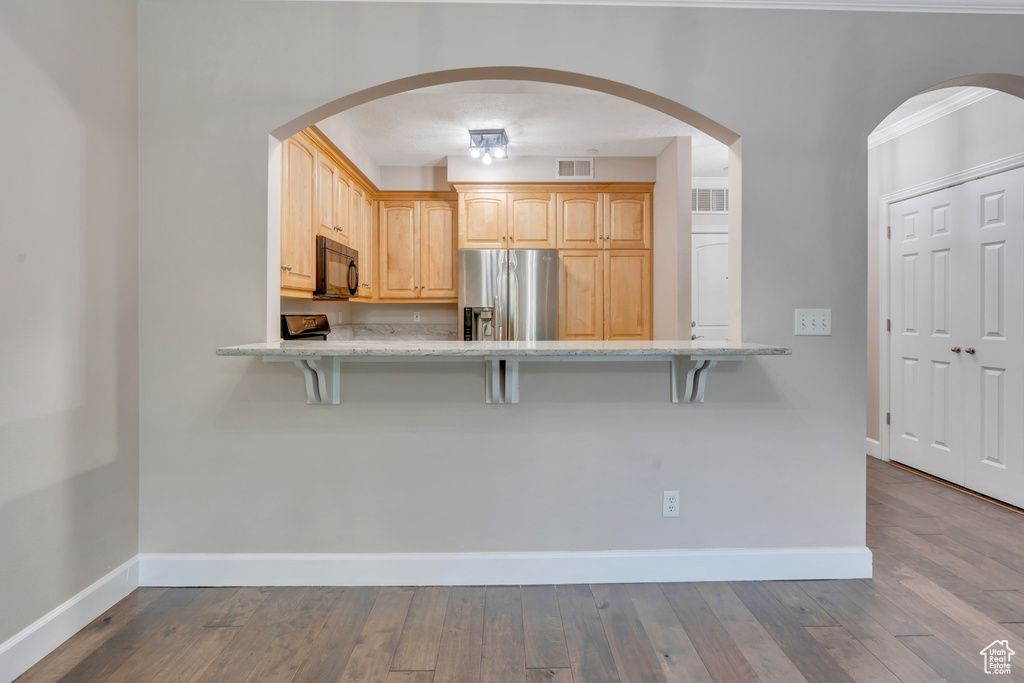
970,350
286,267
955,349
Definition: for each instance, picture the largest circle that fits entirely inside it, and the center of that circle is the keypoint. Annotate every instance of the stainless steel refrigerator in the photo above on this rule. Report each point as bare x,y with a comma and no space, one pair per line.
508,294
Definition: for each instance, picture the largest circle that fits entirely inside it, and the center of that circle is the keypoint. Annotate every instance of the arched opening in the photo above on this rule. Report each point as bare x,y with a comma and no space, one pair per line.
946,289
680,286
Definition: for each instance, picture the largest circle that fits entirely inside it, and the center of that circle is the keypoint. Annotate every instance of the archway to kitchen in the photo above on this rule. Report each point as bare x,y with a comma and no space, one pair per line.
672,260
946,238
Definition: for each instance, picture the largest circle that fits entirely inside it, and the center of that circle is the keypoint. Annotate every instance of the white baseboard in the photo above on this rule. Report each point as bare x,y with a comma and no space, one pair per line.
874,448
24,649
454,569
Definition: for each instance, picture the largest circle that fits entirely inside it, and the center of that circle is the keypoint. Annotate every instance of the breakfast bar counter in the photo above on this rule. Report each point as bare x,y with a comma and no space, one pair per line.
320,361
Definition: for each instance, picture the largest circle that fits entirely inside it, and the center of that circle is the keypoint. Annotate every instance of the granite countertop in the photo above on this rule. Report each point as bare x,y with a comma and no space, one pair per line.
463,349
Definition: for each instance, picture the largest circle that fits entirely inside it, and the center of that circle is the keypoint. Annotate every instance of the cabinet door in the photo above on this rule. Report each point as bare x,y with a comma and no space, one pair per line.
580,220
627,313
399,248
482,220
343,217
531,220
298,219
368,259
628,221
581,295
359,237
326,196
438,271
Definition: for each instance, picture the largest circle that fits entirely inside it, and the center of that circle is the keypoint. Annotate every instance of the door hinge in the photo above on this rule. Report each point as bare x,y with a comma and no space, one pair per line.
887,418
888,325
888,231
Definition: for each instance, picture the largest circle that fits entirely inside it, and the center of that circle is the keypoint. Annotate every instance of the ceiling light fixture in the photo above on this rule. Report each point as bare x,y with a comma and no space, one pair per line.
491,143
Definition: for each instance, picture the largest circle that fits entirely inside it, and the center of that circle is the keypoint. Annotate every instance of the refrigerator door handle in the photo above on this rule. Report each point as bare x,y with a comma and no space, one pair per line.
513,306
497,319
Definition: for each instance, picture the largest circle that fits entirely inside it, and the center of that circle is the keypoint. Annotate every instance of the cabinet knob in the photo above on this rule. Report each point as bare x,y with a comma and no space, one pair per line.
286,267
955,349
366,284
970,350
607,237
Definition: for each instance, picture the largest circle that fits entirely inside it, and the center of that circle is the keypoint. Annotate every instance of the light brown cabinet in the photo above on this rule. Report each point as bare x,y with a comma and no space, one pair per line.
628,294
580,219
298,218
513,220
604,220
417,250
627,220
361,239
605,294
322,194
531,220
483,220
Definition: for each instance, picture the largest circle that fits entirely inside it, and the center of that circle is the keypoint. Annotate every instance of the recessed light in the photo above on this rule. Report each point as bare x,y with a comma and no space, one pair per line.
593,151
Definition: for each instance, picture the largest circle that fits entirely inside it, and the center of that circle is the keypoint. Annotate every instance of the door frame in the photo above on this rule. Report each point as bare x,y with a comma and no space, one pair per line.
884,313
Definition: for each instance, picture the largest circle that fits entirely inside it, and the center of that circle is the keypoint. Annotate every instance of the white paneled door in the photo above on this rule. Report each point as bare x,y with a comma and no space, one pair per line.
710,292
957,341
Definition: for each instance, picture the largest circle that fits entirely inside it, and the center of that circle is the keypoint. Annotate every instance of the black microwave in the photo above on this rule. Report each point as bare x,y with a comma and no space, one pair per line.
337,270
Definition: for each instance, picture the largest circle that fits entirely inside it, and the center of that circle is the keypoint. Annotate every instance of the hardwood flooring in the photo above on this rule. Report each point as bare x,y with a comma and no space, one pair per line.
948,580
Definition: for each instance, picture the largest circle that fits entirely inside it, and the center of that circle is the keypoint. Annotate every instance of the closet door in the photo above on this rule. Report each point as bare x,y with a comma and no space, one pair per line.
928,261
993,221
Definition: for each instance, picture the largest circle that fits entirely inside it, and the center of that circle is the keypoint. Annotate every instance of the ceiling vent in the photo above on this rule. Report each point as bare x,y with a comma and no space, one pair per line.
577,169
710,200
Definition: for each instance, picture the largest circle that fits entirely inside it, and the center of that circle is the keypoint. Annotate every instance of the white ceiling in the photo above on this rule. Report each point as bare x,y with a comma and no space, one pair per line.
422,127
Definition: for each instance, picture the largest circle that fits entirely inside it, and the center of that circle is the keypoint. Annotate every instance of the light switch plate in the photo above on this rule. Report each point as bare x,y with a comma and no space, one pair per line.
813,322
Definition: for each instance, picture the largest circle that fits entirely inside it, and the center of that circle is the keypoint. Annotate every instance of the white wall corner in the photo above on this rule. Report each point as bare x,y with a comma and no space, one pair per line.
19,653
874,448
459,569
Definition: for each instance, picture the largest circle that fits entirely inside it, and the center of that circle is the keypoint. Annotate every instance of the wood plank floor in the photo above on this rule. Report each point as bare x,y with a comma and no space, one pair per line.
948,580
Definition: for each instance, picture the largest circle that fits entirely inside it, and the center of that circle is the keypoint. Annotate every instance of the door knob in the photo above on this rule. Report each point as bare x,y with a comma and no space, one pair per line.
955,349
970,350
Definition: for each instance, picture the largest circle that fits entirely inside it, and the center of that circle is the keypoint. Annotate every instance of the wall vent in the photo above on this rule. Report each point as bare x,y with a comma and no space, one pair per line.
576,168
710,200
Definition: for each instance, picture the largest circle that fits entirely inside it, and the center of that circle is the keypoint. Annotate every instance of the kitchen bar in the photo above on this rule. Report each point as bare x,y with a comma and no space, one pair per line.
320,361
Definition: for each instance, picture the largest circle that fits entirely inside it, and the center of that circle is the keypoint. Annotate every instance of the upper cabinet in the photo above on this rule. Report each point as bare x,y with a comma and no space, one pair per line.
531,220
628,220
298,217
483,220
538,216
580,220
418,250
322,193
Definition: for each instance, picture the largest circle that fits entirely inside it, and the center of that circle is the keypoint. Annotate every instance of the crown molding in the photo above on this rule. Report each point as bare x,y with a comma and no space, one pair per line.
925,6
927,115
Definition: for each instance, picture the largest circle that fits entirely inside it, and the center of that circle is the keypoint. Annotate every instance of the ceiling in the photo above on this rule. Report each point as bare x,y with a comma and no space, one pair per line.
423,127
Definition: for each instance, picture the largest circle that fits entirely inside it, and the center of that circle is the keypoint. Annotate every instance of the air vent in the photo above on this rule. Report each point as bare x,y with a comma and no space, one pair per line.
580,169
710,200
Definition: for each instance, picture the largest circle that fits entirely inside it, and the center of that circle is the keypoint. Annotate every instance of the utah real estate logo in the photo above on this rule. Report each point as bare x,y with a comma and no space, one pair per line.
997,657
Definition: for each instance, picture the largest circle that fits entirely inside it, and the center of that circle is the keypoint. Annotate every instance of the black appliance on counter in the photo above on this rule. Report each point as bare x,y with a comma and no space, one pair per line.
304,326
337,270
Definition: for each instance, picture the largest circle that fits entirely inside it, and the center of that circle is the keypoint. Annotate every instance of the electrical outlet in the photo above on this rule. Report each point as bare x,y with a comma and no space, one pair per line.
813,322
416,317
670,504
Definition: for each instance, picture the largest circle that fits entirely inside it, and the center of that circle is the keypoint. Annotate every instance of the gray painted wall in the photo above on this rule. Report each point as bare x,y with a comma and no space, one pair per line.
985,131
234,460
68,300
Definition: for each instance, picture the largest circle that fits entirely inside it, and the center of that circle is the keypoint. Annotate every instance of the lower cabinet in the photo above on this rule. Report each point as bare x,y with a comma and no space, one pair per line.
605,294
